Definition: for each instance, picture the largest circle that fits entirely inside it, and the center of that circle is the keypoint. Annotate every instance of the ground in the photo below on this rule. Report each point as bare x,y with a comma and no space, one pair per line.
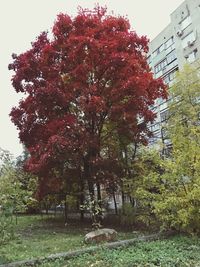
177,251
38,236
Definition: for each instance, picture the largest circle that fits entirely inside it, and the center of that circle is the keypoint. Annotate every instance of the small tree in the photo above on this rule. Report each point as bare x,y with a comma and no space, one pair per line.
145,184
182,204
13,198
169,188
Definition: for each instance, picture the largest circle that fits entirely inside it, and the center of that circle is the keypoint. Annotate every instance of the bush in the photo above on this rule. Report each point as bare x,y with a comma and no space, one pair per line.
127,215
166,190
6,228
14,196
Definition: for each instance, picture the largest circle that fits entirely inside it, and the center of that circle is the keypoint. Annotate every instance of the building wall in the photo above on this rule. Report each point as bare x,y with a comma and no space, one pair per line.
176,45
188,11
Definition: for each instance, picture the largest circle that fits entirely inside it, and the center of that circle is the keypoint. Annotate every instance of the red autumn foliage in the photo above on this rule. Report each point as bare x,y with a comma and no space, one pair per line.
92,72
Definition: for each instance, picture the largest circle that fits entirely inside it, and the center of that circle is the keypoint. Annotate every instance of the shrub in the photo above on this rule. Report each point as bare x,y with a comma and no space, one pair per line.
127,215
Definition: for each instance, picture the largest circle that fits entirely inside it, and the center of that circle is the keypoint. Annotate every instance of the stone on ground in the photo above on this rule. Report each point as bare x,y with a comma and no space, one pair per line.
101,235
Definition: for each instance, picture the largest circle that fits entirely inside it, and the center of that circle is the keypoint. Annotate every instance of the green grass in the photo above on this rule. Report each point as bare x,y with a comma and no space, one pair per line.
178,251
38,236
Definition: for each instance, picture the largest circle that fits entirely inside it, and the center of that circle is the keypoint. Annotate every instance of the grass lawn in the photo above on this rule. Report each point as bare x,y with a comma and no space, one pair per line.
38,236
179,251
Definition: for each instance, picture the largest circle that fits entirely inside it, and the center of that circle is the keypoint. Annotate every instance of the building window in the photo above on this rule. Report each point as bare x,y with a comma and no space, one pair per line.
170,76
158,50
164,115
169,42
171,57
169,45
188,40
155,127
161,48
192,56
156,136
185,23
161,100
160,66
172,64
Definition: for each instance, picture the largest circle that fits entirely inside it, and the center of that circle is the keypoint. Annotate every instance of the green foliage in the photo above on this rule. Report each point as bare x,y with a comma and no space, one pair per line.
94,207
127,215
144,184
167,189
6,228
40,236
183,124
177,251
48,201
180,203
14,198
71,202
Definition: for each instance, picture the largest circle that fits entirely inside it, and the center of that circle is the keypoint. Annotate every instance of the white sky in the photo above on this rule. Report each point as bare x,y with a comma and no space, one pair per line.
22,20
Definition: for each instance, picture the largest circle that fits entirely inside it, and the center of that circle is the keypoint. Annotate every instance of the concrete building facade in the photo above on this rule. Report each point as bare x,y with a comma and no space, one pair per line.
176,45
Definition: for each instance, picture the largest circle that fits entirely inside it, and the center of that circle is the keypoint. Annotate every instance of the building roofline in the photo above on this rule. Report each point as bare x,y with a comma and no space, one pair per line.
178,7
168,25
170,21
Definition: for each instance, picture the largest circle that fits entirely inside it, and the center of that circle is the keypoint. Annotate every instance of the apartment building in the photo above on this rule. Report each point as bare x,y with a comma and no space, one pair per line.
176,45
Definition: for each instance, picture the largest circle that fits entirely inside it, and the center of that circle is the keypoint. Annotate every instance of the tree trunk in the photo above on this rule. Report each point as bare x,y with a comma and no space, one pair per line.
91,190
100,214
123,201
55,210
88,177
115,203
81,197
66,209
132,201
99,194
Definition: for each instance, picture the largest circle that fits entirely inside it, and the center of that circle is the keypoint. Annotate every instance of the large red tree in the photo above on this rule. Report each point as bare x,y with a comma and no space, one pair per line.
87,81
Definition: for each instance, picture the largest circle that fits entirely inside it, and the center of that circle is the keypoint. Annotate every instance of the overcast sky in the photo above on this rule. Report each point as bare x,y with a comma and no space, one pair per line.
22,20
